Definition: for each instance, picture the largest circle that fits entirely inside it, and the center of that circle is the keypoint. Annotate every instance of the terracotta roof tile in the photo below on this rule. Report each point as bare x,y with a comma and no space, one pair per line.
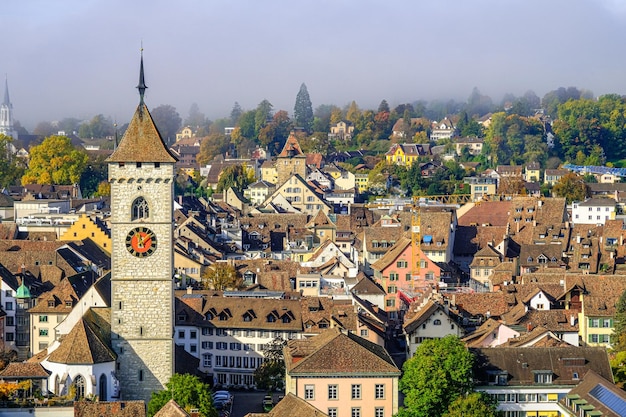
86,343
336,353
24,370
292,406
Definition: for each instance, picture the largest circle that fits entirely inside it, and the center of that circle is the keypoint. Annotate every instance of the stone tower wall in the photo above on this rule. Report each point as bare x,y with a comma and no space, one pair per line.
142,296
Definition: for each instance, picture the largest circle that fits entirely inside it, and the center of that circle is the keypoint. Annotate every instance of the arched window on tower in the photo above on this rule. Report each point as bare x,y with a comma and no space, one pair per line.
140,209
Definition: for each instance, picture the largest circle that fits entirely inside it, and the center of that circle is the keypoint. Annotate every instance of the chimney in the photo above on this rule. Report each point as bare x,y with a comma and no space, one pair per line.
189,289
578,238
572,320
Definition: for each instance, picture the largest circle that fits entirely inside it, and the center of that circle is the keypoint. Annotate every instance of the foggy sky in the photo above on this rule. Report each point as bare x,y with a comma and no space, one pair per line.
79,58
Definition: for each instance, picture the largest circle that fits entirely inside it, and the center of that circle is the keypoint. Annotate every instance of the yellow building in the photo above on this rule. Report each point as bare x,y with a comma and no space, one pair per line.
269,172
92,228
362,182
406,153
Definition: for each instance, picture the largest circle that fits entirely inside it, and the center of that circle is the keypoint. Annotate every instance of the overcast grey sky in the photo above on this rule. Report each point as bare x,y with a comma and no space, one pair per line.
78,58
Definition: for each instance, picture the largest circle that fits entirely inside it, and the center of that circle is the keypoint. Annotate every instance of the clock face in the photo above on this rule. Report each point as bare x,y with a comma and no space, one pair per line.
141,242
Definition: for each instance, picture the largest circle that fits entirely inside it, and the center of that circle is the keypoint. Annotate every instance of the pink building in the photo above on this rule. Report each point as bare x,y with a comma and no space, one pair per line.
342,374
394,272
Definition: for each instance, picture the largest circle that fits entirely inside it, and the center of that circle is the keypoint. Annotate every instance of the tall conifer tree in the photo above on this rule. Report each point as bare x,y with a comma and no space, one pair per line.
303,109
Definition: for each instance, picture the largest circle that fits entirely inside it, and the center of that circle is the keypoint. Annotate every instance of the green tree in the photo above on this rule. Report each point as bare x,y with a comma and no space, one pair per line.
262,116
303,109
353,113
69,125
438,373
619,324
188,391
213,145
55,161
571,186
618,356
221,276
167,120
98,127
246,124
235,176
271,374
11,167
384,107
196,119
235,114
44,129
95,172
475,404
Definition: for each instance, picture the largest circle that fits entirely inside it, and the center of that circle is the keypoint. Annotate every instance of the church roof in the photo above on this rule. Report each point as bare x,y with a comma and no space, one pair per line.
83,345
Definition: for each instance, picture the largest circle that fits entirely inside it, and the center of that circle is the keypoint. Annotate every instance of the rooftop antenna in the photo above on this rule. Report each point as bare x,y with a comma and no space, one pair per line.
142,84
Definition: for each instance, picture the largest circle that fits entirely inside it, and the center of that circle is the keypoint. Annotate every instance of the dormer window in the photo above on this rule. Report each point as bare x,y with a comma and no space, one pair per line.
271,318
530,259
497,377
543,377
68,304
50,303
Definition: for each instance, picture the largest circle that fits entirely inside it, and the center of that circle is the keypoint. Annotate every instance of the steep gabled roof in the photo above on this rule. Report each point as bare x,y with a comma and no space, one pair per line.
393,254
84,344
421,316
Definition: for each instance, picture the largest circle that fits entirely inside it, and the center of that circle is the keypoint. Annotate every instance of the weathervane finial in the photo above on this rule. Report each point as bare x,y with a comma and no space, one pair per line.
142,84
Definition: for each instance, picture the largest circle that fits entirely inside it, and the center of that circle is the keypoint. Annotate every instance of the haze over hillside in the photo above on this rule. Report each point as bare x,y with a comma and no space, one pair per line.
77,58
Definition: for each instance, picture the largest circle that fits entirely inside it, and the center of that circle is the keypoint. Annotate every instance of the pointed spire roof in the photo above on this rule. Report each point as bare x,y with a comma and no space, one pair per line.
291,148
142,141
6,101
142,82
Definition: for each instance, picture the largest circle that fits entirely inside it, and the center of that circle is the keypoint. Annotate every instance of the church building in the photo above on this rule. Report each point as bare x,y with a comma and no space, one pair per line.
141,174
6,114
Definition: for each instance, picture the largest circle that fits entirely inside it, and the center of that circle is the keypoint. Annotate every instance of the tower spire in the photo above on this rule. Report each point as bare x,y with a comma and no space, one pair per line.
142,84
6,90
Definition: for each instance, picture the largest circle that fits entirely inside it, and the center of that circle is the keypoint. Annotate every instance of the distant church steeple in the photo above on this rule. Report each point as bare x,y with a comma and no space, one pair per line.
6,113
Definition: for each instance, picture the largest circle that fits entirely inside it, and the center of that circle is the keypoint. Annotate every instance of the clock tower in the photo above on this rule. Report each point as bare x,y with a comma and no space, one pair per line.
141,174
